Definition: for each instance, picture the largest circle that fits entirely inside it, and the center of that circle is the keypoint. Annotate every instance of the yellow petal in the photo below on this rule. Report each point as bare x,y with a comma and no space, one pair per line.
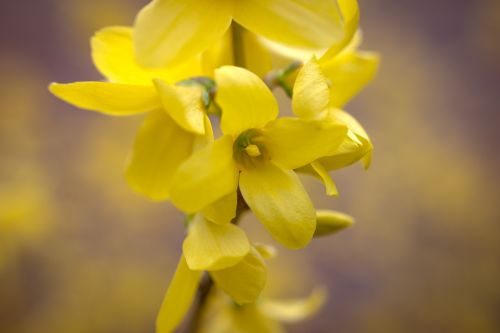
211,246
159,149
178,298
223,210
167,32
330,187
251,319
219,54
113,55
294,310
244,281
257,58
293,142
304,23
350,16
330,222
348,154
109,98
184,105
280,202
349,74
311,95
266,251
208,175
245,100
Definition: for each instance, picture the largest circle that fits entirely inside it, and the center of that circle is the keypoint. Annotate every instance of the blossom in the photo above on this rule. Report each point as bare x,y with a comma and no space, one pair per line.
169,31
258,153
175,124
264,316
237,267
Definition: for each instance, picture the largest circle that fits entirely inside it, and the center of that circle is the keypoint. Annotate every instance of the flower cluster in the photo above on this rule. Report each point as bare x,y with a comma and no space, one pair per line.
213,142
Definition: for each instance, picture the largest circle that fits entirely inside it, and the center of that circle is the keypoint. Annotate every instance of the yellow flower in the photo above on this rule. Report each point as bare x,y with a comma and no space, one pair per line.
176,122
263,316
242,280
259,153
169,31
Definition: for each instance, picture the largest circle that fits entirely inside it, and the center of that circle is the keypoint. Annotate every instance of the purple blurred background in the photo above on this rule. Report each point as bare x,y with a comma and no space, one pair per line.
80,252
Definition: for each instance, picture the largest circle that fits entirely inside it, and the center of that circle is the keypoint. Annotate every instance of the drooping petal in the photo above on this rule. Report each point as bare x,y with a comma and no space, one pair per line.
184,105
178,298
223,210
347,154
113,99
244,281
294,310
113,55
265,250
280,202
245,100
208,175
159,149
300,23
251,319
349,74
293,142
349,10
330,222
311,94
330,187
211,246
167,32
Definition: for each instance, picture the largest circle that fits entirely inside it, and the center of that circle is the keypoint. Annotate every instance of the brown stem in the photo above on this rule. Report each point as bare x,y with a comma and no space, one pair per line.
194,320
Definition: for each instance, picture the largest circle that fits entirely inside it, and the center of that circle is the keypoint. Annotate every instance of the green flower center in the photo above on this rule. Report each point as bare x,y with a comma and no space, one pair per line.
248,148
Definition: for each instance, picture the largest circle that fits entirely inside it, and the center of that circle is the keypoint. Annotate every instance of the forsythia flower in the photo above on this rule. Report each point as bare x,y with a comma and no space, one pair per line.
259,153
176,123
169,31
242,277
263,316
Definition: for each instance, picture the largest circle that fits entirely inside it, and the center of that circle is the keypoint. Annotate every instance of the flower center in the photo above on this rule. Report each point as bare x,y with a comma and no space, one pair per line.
248,148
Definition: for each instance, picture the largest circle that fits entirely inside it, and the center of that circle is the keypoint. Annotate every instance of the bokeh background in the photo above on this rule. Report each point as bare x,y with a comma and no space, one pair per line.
80,252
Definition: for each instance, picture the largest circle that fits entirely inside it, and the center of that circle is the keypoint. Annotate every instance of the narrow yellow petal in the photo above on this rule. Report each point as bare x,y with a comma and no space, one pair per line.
311,94
330,187
348,153
113,55
208,175
349,74
223,210
245,100
349,10
178,298
266,251
330,222
244,281
294,310
293,142
250,318
184,105
109,98
167,32
300,23
280,202
211,246
159,149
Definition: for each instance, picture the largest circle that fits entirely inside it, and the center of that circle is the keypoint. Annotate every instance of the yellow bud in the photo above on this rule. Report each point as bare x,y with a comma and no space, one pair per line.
330,222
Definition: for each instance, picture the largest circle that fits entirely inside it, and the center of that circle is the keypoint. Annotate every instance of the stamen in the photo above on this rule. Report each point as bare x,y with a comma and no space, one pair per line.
253,150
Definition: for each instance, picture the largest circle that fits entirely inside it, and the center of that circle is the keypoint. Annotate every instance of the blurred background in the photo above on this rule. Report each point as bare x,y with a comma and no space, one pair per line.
80,252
